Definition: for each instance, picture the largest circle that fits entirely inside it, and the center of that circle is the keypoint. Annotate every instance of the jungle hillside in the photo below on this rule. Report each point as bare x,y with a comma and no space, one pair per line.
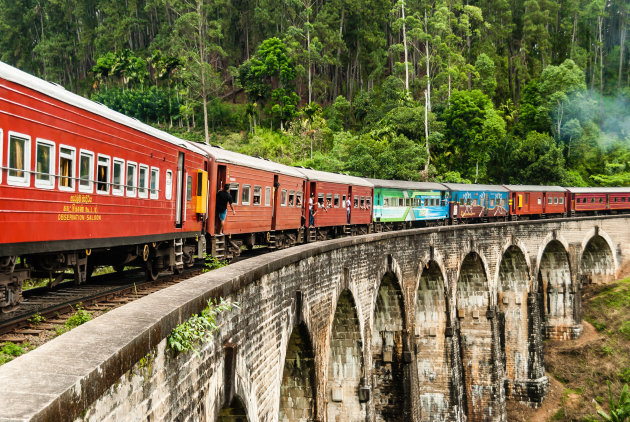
486,91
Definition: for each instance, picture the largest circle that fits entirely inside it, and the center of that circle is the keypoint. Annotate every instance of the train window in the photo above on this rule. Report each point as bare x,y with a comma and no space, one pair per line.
246,195
407,202
66,168
155,182
291,198
257,195
526,198
19,159
329,200
188,188
356,201
283,197
336,201
461,201
168,189
601,200
45,164
539,200
234,193
131,178
267,196
102,174
401,202
492,203
118,177
343,200
86,171
474,202
298,199
592,200
368,202
143,183
550,200
555,200
320,199
561,200
386,202
363,201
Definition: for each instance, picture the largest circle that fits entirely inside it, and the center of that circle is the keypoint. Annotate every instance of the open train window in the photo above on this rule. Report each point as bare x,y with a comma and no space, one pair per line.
363,202
155,182
66,168
44,164
539,200
19,159
492,203
356,201
86,171
320,199
368,202
168,188
143,182
267,196
593,200
601,200
257,195
401,202
329,200
131,178
291,198
385,202
283,197
550,200
102,174
407,202
118,177
336,200
298,199
234,190
246,195
555,200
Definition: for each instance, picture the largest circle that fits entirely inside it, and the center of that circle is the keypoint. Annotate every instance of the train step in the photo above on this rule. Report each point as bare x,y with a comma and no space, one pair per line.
312,234
178,247
218,247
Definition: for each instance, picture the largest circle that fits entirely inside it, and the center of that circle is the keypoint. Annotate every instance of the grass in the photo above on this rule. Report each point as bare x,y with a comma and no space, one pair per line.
9,351
585,371
80,316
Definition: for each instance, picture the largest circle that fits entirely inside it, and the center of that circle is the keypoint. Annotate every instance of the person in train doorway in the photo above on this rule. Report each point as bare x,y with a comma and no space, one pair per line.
348,209
223,199
311,211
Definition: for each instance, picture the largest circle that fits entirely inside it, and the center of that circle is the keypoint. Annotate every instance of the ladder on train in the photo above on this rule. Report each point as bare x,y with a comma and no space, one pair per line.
178,246
219,250
312,234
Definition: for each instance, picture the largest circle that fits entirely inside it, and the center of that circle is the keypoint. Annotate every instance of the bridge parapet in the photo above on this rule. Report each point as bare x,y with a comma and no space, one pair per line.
450,316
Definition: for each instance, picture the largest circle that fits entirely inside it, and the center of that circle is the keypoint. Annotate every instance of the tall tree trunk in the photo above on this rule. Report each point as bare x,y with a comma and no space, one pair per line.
425,174
622,48
308,50
575,22
405,45
428,62
337,65
202,60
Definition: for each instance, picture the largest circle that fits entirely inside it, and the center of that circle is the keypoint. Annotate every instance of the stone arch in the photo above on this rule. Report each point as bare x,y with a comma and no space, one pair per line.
234,412
345,363
433,365
557,294
388,374
476,331
551,237
513,283
597,262
297,391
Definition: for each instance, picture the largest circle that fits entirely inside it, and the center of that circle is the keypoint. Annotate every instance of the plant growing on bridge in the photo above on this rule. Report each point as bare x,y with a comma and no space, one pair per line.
199,328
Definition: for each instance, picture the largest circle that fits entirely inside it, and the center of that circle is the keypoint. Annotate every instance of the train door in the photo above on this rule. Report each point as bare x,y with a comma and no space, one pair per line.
179,196
276,202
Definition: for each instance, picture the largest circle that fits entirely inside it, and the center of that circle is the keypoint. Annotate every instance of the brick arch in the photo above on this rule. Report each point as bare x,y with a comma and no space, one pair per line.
597,260
549,238
518,244
557,294
513,284
345,363
433,365
469,250
297,390
234,412
476,336
390,403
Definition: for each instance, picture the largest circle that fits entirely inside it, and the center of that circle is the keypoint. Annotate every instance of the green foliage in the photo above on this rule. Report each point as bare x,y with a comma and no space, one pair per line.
79,317
212,263
36,319
199,328
152,105
618,409
9,351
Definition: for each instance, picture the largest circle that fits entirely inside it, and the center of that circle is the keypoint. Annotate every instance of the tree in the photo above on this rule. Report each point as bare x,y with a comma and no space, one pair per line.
537,160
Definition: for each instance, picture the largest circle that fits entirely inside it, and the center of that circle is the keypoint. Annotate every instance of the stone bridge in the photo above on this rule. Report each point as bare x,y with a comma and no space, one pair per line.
430,324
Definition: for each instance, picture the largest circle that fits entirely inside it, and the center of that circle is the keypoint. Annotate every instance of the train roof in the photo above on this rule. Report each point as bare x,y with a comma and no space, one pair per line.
230,157
474,187
323,176
401,184
534,188
600,190
58,92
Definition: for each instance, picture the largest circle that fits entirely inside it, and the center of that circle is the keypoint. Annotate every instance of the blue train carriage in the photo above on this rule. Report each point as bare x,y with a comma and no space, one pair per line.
400,204
477,203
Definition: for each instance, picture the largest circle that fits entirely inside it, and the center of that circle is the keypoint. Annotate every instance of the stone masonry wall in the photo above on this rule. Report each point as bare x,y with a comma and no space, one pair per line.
117,367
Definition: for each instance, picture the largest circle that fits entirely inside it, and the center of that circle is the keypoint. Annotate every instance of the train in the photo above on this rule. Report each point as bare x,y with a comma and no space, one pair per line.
82,186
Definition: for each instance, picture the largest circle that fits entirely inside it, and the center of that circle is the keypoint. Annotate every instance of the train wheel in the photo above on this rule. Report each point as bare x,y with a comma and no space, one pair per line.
150,272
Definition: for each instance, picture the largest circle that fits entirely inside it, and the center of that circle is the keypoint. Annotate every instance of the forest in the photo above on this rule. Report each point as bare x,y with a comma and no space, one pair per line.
478,91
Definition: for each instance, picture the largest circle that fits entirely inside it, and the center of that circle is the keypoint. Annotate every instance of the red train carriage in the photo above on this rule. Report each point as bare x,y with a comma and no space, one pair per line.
599,200
268,200
330,191
536,201
81,185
